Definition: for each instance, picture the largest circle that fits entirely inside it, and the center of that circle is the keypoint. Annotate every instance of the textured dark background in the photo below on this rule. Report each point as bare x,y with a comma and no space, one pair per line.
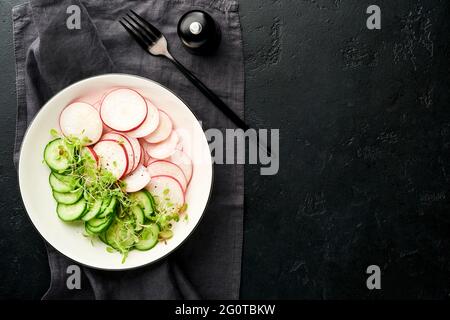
364,119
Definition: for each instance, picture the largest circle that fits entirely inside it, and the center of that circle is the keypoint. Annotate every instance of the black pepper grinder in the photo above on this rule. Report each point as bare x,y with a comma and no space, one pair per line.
199,33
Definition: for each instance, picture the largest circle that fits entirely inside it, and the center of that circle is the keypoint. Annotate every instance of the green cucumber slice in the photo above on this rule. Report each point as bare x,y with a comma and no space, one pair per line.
119,237
89,233
66,178
71,212
68,197
109,209
145,200
139,217
148,238
97,225
102,237
58,155
93,211
105,204
58,185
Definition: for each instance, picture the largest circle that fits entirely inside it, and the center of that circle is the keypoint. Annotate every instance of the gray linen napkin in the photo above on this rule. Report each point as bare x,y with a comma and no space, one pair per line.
50,57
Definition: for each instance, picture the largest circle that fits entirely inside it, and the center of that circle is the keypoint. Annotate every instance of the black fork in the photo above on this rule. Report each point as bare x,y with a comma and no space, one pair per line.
154,42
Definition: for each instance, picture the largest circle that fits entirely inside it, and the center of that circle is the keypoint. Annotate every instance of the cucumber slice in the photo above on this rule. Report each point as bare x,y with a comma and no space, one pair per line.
102,237
58,155
109,209
105,204
139,217
148,238
93,211
145,200
119,237
58,185
71,212
89,232
66,178
97,225
68,197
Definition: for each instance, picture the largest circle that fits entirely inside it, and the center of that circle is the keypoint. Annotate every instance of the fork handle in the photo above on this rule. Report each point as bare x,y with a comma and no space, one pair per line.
210,95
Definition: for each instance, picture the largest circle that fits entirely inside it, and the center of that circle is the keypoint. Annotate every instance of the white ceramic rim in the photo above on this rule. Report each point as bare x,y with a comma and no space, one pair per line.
21,178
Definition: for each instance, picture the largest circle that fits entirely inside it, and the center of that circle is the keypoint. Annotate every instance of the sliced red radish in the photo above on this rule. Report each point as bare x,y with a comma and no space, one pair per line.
88,152
123,110
97,105
166,190
113,157
163,149
122,139
92,97
137,180
146,158
137,151
149,125
163,130
81,120
184,162
143,153
166,168
185,139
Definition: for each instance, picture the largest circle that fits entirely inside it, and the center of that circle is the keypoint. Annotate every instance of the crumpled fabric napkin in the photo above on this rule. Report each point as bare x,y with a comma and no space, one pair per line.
49,57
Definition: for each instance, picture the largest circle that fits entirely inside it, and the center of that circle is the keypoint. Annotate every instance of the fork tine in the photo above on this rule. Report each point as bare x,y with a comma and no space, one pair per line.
148,32
152,28
142,32
144,43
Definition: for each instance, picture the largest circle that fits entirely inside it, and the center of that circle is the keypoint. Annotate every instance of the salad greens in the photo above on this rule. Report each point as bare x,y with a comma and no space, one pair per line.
85,192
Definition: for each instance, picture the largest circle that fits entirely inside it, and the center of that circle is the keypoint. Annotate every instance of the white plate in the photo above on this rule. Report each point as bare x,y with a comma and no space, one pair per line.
68,238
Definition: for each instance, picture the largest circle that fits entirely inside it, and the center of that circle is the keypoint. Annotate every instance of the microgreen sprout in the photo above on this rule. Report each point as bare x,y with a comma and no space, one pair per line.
97,183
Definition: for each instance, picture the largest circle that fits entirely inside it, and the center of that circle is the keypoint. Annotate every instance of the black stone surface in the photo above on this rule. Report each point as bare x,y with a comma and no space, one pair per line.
364,119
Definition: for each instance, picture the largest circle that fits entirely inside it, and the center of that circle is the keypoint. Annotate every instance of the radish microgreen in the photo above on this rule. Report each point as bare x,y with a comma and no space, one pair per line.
96,183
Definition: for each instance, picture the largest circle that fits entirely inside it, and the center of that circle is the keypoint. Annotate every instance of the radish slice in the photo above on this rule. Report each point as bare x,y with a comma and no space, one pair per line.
184,162
81,120
143,153
137,151
92,97
166,190
149,125
166,168
137,180
123,110
163,149
97,106
163,130
185,139
113,157
122,139
88,152
147,158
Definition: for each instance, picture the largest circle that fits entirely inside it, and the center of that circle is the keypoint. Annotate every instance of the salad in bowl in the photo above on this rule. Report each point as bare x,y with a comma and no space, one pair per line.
119,166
